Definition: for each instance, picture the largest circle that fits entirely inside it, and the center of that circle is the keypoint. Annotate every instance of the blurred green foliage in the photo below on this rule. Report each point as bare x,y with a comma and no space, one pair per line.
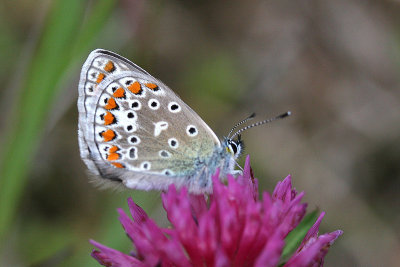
66,36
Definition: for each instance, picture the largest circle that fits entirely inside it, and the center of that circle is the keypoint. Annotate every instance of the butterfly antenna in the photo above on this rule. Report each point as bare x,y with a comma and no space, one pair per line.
286,114
241,122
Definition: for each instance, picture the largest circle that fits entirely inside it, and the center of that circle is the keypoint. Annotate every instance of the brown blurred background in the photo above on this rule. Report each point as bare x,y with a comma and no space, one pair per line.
334,64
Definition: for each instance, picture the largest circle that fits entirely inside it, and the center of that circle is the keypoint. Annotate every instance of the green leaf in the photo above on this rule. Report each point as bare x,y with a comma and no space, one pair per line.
294,238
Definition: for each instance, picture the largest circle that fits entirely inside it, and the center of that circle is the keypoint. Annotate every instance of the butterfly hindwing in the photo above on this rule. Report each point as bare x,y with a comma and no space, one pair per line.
134,128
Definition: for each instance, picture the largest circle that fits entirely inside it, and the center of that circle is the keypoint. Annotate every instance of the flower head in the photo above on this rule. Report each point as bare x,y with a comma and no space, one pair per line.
233,227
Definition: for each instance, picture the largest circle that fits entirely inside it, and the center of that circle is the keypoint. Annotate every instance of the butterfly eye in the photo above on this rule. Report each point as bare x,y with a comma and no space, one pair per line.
233,147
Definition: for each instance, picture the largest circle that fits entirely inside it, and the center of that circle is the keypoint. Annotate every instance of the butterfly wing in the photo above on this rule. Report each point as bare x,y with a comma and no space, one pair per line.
134,129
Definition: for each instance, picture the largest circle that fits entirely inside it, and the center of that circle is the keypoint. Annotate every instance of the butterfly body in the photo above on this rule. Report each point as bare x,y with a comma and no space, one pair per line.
135,130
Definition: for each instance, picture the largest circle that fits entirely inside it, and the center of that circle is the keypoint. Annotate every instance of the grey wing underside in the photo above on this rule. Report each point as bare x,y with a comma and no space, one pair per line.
91,91
120,179
125,65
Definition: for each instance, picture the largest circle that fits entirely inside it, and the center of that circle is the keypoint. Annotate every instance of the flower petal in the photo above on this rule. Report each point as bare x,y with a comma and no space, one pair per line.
247,179
252,226
221,259
314,253
198,204
208,237
138,214
272,251
139,234
313,249
229,221
179,213
111,257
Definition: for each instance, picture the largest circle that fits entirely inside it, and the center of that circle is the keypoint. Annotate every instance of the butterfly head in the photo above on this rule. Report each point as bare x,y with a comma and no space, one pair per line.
234,147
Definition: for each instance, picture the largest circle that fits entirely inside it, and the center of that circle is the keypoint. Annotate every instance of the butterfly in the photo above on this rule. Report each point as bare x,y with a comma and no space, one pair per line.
135,131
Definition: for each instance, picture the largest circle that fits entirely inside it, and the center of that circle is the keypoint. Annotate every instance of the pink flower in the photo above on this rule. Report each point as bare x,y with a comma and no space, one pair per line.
230,228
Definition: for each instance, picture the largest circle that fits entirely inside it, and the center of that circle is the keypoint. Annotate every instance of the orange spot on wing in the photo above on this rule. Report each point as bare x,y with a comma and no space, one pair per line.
112,156
100,77
111,104
135,88
109,67
113,149
108,135
118,165
109,118
152,86
119,93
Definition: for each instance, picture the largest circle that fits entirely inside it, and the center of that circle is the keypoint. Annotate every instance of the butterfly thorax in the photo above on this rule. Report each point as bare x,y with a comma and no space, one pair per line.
205,168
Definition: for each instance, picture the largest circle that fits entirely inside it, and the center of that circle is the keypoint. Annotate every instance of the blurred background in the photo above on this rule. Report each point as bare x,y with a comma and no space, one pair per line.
334,64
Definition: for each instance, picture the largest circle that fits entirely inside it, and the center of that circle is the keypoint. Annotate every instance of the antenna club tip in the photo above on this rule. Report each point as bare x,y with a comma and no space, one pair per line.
284,115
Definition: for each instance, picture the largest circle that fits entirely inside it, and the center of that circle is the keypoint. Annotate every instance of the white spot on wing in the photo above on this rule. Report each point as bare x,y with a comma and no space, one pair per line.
131,116
164,154
133,139
174,107
159,127
123,65
173,143
90,88
191,130
126,81
92,75
167,172
131,128
145,165
103,148
154,104
112,88
135,105
132,153
100,113
104,100
99,63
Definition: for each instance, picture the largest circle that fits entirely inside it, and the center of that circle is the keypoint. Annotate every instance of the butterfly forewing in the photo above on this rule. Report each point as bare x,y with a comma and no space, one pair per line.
130,121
